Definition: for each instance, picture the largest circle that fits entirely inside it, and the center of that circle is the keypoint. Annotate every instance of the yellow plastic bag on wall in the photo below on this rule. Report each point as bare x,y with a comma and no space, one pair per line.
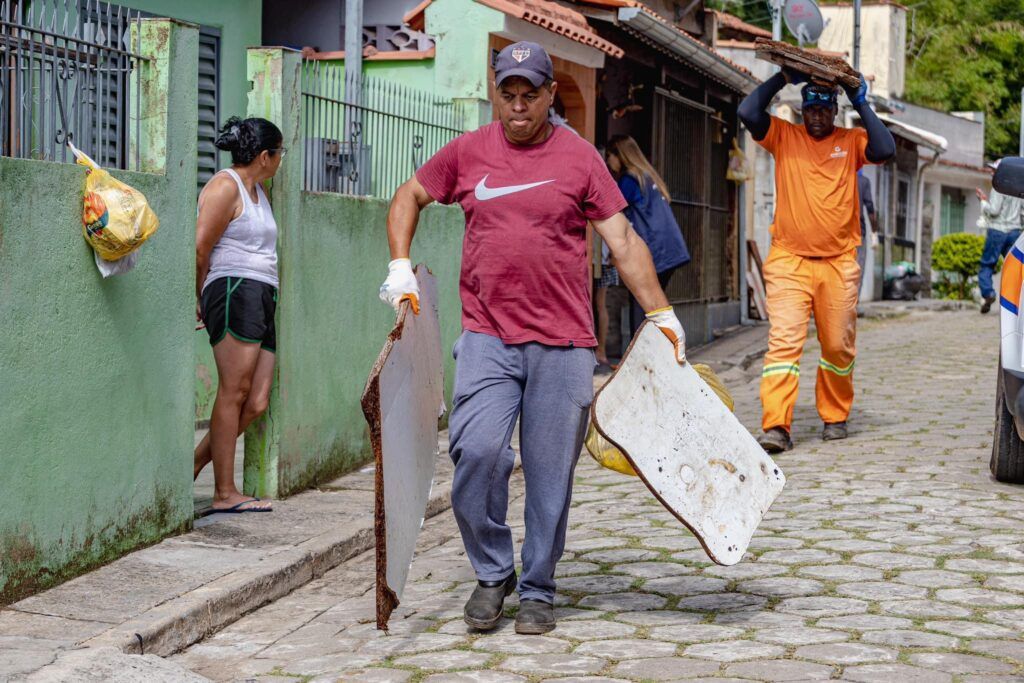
116,218
611,457
739,167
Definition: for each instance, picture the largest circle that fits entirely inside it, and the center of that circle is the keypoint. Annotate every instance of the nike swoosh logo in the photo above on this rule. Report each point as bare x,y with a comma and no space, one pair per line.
483,193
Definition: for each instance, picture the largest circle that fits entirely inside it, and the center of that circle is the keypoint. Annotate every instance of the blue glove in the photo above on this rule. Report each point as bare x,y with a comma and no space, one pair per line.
793,76
858,95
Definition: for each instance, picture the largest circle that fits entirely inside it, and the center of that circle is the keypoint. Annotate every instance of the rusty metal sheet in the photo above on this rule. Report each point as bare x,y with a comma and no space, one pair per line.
689,449
821,68
401,403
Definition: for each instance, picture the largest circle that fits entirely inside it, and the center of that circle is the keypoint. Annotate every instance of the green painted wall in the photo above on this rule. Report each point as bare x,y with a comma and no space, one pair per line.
205,377
418,74
461,30
96,375
332,325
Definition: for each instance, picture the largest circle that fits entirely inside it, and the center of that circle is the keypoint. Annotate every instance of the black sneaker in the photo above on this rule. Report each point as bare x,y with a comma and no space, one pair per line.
534,617
775,440
484,607
833,431
986,305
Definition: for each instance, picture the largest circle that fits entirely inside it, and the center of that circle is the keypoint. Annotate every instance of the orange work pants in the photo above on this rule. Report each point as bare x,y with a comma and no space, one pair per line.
796,286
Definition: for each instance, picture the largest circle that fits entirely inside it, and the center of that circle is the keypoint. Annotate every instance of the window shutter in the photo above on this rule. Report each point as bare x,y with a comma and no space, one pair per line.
209,103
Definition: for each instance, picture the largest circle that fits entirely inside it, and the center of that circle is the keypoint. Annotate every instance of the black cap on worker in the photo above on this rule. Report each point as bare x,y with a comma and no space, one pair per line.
526,60
815,95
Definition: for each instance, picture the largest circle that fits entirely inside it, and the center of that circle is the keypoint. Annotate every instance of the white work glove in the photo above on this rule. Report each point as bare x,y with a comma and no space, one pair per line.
401,285
668,323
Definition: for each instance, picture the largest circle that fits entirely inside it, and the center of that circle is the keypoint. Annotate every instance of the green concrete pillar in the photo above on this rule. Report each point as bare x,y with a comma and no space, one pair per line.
275,96
169,86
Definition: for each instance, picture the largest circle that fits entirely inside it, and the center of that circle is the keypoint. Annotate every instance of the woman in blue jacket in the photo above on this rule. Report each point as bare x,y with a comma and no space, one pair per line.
649,211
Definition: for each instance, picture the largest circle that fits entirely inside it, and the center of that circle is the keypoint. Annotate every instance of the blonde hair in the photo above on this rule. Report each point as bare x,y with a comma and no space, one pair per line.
636,164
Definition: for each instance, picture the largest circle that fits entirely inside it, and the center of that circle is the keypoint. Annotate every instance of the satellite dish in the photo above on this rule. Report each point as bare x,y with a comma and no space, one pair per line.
804,20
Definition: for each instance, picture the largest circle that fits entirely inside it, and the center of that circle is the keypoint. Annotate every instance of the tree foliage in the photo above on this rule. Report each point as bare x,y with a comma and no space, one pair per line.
969,56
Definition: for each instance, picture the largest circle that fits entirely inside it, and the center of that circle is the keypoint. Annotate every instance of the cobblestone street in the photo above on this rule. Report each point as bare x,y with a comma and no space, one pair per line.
892,556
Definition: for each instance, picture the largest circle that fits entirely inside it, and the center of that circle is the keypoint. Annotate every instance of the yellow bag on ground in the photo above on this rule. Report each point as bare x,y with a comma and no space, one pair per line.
116,218
611,457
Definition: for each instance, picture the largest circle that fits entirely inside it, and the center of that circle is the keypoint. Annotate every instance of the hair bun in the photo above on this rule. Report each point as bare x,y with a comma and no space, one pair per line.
246,139
230,137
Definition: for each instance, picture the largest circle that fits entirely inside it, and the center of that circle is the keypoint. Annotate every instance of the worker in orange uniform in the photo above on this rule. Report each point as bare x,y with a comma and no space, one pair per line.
812,265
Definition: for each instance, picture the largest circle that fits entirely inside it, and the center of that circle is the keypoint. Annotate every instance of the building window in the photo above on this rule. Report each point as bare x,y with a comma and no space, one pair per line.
954,205
903,210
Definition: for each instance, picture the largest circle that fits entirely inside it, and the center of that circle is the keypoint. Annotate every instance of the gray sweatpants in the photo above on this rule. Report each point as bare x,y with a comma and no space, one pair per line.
549,389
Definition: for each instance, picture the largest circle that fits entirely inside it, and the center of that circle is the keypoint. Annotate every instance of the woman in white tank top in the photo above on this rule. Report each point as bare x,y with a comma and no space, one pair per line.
236,292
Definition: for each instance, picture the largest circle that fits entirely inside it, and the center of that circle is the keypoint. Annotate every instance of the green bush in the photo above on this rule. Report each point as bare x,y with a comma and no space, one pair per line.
957,258
947,288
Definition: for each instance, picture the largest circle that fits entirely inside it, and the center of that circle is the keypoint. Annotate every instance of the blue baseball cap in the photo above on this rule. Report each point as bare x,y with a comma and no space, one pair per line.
526,60
819,95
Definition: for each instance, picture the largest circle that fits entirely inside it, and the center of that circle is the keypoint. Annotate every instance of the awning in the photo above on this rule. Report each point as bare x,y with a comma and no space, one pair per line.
980,171
918,136
642,21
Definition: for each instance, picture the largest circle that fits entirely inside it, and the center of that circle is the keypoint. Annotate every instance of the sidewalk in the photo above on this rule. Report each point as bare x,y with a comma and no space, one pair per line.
734,353
898,309
164,598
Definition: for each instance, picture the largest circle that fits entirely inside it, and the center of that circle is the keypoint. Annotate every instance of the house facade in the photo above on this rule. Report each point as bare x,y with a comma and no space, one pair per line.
622,67
126,346
919,200
927,190
677,97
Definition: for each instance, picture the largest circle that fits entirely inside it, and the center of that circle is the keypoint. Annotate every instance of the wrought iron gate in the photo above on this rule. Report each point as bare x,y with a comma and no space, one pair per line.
692,155
66,69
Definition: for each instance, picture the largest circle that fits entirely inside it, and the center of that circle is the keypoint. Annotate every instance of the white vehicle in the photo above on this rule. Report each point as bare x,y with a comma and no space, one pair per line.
1007,463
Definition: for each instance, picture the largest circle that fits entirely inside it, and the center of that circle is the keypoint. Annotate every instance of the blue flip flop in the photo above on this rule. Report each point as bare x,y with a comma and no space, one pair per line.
238,509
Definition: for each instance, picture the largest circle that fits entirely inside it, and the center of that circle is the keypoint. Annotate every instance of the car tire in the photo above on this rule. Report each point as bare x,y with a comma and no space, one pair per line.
1007,462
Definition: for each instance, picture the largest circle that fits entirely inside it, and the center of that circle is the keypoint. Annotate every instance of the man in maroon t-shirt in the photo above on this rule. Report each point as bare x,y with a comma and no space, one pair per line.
528,190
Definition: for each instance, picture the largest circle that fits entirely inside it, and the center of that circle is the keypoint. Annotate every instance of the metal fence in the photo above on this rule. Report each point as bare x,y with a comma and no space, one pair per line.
68,71
692,157
372,147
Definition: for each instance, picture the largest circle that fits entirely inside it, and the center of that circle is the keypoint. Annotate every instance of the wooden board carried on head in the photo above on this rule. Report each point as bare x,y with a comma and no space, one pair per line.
821,68
401,402
689,449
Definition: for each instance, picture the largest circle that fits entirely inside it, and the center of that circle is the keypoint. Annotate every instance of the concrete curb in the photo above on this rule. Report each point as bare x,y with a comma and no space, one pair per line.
183,621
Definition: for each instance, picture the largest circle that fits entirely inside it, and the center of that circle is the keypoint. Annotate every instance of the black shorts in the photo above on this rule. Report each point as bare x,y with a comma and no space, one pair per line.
242,307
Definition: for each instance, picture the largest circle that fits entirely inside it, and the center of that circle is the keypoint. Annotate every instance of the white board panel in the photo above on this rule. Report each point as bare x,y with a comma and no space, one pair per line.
690,450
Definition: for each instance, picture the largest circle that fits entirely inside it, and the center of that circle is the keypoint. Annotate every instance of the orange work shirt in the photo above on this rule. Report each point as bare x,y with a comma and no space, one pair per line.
817,205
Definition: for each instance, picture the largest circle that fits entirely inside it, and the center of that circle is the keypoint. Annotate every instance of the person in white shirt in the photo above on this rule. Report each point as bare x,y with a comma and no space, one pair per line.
1001,216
